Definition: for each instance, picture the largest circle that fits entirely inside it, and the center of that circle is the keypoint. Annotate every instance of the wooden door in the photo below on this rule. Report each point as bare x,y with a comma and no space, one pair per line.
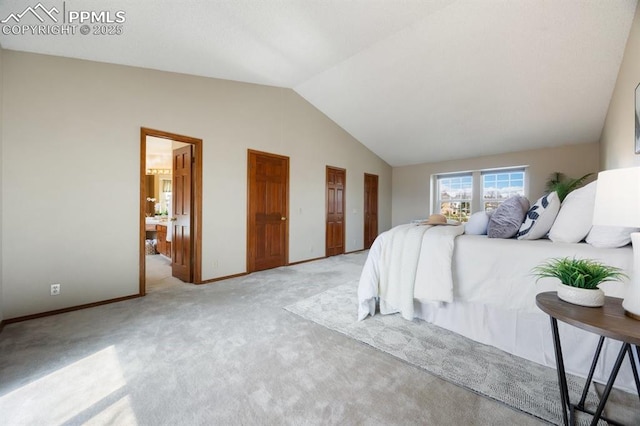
151,194
370,209
182,206
336,186
267,212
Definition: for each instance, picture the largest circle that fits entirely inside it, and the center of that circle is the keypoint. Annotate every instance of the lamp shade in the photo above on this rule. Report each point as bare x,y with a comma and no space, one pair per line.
618,198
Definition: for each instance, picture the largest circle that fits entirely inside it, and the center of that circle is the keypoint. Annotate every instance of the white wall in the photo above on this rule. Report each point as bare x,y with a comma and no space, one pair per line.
618,135
71,135
411,192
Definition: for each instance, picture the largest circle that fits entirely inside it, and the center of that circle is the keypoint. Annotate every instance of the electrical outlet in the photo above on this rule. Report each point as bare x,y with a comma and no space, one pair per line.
55,289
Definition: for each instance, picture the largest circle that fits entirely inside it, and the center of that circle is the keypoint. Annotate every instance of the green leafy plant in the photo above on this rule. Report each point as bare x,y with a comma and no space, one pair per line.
563,185
582,273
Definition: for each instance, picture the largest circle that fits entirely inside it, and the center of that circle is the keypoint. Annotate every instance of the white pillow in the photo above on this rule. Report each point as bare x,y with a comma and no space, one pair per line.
540,218
477,224
610,236
576,214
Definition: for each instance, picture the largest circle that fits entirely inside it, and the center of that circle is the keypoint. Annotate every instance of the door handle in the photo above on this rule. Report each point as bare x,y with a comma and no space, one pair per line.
173,219
283,218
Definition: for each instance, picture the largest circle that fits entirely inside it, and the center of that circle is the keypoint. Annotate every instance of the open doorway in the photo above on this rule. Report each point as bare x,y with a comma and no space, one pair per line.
170,206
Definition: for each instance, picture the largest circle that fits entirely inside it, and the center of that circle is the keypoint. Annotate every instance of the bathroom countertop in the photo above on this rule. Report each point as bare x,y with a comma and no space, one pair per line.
154,221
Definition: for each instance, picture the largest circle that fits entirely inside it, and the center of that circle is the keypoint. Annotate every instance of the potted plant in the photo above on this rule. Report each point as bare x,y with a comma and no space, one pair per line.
579,279
563,185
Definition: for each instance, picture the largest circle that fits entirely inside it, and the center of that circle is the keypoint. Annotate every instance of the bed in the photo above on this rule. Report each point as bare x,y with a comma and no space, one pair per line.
484,290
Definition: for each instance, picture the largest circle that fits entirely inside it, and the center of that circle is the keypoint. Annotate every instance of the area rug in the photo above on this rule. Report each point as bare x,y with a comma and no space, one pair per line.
514,381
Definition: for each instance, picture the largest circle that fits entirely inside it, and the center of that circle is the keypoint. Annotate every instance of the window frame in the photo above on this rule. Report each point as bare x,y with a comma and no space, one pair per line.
498,200
477,199
440,201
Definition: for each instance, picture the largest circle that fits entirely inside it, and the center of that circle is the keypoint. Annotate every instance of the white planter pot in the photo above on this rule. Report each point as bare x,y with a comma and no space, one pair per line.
581,296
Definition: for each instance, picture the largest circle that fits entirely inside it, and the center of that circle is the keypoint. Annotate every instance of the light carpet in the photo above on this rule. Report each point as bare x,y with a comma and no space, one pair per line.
519,383
226,353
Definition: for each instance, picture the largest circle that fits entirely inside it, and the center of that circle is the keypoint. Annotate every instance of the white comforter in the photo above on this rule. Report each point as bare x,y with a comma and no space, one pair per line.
405,263
488,271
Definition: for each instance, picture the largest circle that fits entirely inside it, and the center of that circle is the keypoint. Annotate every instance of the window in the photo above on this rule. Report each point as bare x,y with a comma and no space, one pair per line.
458,195
455,193
498,185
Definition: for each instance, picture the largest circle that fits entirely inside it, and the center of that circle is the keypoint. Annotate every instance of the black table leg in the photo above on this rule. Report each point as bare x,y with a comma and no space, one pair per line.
591,371
612,379
635,370
562,379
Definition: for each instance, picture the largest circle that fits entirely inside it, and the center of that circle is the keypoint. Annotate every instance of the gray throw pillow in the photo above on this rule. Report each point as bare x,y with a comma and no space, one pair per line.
508,217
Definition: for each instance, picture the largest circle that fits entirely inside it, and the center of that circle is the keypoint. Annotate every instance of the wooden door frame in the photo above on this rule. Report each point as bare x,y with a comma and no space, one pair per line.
250,266
196,218
326,209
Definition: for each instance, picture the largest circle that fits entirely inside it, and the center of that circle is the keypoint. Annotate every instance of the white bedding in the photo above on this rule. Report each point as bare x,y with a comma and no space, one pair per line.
413,265
498,272
494,299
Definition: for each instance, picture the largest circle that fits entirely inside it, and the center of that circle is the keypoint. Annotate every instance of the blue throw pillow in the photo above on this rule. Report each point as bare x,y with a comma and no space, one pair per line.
477,224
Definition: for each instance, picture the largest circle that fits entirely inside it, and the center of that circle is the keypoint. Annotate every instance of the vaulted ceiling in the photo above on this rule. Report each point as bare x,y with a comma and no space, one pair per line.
414,80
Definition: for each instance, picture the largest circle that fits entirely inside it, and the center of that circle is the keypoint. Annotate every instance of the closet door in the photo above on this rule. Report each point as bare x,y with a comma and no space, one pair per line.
267,213
370,209
335,226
